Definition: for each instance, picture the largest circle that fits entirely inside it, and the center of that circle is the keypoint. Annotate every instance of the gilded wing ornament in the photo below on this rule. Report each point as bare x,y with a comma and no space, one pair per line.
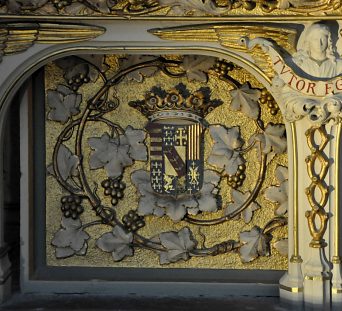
228,35
18,37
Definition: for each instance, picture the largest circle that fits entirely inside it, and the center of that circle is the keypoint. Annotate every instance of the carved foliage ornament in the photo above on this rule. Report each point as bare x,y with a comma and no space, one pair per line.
177,182
163,7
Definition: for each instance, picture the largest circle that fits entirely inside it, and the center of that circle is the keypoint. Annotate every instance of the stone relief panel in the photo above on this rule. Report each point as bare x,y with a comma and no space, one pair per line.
163,161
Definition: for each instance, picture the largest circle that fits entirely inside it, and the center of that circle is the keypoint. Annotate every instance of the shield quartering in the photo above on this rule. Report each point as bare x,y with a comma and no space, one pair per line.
176,127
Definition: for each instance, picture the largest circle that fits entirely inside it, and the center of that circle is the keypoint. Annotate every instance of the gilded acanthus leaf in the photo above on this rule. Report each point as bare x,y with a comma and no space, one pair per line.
225,153
118,242
255,244
196,67
70,240
64,104
245,99
279,194
239,199
229,35
138,74
273,138
177,245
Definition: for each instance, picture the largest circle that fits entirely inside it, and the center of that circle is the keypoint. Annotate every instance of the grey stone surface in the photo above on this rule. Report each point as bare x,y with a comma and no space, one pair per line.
106,302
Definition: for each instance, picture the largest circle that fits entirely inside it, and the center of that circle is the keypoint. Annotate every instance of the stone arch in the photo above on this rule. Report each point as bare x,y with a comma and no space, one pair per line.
45,55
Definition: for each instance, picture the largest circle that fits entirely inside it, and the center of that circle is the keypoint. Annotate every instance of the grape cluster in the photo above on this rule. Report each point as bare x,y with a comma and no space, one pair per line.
60,4
222,67
71,206
266,98
115,188
132,221
237,179
76,81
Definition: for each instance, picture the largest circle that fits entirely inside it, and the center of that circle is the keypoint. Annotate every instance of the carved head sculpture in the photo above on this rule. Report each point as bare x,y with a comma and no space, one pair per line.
318,41
316,53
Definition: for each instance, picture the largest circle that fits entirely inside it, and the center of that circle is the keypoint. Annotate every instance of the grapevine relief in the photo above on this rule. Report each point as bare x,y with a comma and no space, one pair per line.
178,185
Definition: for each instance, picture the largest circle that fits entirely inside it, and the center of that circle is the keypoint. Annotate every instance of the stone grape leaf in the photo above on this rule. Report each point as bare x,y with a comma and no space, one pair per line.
255,244
225,153
184,6
135,139
76,66
70,240
274,138
67,163
118,242
176,207
282,246
196,67
138,74
148,198
177,245
279,194
238,199
245,99
64,104
207,197
110,154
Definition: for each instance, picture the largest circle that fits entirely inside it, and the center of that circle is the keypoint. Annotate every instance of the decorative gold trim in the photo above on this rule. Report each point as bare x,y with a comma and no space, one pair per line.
336,291
336,260
291,289
273,18
18,37
317,278
295,258
317,181
336,254
228,35
129,8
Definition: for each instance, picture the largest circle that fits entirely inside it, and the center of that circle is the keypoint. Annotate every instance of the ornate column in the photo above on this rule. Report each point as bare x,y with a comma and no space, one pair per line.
308,90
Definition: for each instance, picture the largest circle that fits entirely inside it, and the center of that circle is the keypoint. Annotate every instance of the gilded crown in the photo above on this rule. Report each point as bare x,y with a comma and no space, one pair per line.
178,102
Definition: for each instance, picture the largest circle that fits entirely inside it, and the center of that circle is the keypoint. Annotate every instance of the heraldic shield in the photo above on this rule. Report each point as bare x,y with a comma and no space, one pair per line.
176,157
176,127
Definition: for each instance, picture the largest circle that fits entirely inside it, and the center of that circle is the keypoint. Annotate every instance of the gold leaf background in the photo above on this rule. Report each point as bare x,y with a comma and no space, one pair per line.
128,91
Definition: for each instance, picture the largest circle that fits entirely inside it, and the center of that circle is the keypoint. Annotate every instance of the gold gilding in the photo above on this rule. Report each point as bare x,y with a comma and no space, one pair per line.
317,182
228,35
126,115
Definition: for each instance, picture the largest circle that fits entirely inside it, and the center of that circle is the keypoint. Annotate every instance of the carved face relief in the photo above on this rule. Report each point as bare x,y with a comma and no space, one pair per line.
318,42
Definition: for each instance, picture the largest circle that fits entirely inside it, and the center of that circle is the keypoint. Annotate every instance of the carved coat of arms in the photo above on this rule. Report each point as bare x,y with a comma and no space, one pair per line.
176,126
